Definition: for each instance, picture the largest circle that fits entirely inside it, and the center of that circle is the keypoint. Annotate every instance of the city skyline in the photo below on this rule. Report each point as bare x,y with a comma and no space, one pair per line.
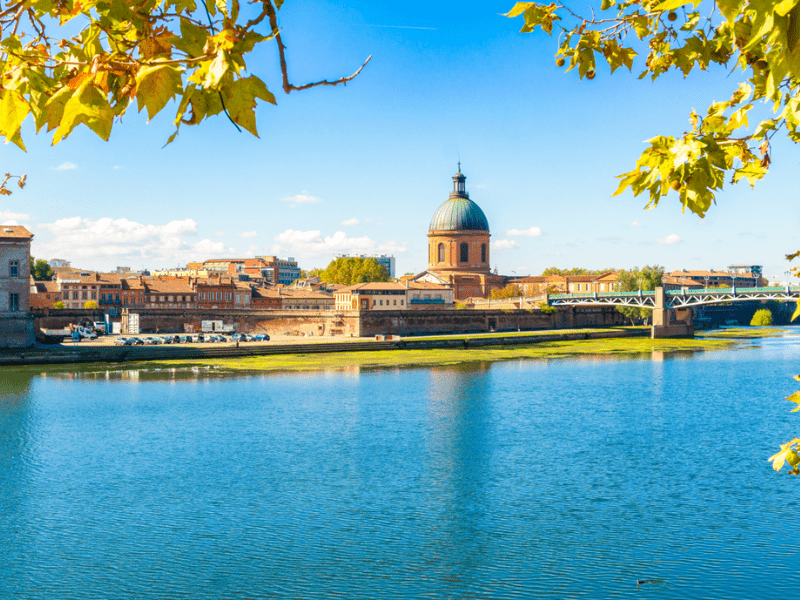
361,169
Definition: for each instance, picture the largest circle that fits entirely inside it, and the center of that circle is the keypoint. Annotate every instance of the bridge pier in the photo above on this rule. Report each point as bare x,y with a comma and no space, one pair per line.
669,323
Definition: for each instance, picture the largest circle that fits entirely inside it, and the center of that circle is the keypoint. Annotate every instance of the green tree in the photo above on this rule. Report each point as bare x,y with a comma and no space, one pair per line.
40,270
59,305
574,271
510,291
114,52
91,305
762,317
645,279
354,269
755,40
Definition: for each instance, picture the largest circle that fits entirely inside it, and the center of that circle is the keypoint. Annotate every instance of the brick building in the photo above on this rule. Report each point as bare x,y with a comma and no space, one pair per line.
458,246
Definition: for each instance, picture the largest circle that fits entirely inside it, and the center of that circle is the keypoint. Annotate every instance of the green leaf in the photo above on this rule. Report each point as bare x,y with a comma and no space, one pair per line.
13,110
192,39
240,101
155,86
730,8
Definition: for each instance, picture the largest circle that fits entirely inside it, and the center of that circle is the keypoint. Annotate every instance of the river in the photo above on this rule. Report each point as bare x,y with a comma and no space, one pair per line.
521,479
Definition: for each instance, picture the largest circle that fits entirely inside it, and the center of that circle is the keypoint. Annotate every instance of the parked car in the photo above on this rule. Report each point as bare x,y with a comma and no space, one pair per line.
135,341
152,341
184,339
198,338
261,337
122,341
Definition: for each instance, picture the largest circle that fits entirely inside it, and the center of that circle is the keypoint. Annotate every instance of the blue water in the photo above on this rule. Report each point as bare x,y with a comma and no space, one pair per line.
524,479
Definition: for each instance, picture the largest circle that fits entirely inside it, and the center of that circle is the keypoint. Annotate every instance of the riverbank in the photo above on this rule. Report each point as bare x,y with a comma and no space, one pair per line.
96,352
436,352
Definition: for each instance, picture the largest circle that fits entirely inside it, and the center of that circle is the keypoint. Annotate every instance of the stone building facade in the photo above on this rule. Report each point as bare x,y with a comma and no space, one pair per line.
16,325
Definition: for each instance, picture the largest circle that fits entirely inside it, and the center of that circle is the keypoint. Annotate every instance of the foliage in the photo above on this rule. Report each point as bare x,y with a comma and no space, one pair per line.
91,305
645,279
59,305
510,291
120,51
761,318
354,269
40,270
547,309
575,271
757,40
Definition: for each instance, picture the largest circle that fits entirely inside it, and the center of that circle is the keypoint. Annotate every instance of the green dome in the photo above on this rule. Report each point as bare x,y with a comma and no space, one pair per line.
459,214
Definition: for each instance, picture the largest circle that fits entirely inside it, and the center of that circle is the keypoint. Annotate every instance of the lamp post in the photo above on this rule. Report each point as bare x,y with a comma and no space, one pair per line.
706,278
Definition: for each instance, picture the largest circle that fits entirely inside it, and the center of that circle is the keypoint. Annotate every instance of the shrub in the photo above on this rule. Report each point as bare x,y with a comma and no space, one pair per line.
58,305
762,317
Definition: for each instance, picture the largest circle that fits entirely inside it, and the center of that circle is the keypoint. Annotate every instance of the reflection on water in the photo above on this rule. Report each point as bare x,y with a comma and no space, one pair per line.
545,479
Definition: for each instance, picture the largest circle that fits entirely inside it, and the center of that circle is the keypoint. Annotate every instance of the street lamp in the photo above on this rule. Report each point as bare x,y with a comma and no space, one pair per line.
706,276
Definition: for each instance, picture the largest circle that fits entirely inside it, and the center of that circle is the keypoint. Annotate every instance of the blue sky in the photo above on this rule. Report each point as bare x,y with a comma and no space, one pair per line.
362,168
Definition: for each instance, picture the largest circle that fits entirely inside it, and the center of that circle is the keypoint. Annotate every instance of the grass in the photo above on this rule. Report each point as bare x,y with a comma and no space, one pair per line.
352,361
741,333
437,338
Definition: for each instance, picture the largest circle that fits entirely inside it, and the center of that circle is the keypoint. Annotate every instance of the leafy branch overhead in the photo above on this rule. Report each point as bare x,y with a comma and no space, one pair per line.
150,51
758,38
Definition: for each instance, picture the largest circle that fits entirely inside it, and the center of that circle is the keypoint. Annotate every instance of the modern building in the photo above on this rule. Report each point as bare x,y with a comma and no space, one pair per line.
58,262
16,325
744,269
458,246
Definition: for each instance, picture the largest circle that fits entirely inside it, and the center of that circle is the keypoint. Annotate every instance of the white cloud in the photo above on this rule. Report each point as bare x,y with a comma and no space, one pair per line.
312,243
350,222
8,217
670,239
111,240
117,167
504,244
532,232
479,186
219,233
302,198
634,224
66,166
251,251
248,234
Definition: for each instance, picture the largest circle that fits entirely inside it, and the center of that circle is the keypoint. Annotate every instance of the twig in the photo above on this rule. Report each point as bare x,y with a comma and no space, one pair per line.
288,87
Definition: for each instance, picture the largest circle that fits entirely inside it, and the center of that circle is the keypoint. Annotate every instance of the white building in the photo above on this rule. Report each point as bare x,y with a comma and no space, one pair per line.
16,323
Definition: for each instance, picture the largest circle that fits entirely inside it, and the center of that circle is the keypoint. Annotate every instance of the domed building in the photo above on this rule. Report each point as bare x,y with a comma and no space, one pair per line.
458,246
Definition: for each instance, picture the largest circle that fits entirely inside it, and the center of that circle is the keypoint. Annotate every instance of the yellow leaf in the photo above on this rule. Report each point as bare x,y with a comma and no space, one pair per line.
796,312
13,110
518,9
796,399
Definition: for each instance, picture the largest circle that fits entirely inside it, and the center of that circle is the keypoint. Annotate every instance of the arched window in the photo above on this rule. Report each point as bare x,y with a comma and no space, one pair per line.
464,253
441,253
483,253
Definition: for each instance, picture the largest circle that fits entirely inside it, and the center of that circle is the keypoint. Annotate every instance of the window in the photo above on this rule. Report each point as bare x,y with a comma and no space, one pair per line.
441,253
381,302
238,298
464,253
483,253
395,301
94,295
13,302
401,302
13,268
171,299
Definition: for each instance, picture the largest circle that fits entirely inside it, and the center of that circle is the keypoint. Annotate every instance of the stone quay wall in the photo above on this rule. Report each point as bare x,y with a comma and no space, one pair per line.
351,323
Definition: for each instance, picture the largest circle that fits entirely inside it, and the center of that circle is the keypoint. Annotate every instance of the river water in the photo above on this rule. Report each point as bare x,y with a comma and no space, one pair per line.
522,479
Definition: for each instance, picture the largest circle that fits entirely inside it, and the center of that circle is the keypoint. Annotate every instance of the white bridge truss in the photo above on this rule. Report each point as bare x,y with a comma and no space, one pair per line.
678,298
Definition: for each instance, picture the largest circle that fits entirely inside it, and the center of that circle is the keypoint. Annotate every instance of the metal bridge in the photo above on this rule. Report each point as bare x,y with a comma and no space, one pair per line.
682,298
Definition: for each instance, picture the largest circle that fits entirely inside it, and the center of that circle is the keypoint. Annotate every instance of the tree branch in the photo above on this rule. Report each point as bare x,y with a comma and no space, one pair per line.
288,87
